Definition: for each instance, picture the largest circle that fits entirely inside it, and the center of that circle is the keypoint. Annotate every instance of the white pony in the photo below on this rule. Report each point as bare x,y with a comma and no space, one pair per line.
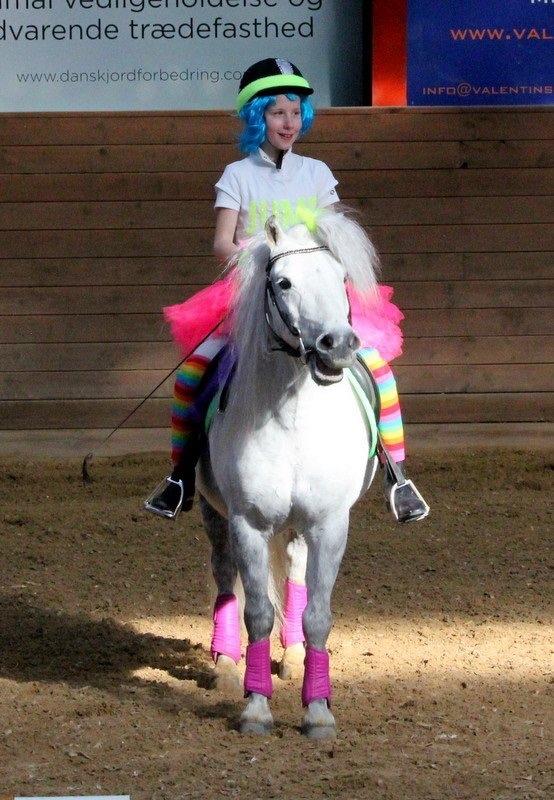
290,451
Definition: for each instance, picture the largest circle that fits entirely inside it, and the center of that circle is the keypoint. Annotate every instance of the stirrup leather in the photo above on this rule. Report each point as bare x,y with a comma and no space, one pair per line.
157,491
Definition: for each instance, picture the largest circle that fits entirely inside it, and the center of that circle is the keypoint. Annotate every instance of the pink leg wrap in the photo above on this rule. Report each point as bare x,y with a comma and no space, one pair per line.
226,630
257,677
317,684
296,597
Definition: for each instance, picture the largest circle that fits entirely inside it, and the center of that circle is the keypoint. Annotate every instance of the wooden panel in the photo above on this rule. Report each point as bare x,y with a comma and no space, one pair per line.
150,327
133,214
102,299
443,183
153,271
126,211
506,407
474,294
150,299
478,350
181,185
108,356
180,242
399,267
84,385
207,157
200,213
138,383
478,322
457,378
340,125
424,408
164,355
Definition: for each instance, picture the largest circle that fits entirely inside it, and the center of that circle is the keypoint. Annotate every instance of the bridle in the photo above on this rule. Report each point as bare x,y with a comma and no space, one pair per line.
272,303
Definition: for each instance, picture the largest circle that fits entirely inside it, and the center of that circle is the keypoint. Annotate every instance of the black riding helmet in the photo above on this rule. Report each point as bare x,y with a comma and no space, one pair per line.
265,77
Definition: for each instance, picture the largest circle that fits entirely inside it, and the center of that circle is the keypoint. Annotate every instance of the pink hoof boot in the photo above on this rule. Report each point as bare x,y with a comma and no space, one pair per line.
296,598
226,630
316,684
257,677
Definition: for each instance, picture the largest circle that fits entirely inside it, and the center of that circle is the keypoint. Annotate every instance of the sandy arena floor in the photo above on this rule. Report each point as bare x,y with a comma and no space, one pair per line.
440,647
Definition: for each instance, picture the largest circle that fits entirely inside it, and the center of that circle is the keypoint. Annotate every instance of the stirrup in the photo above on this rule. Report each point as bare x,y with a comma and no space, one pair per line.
406,502
167,513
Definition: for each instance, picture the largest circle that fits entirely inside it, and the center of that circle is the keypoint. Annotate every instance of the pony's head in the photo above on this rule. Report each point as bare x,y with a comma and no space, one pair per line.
293,295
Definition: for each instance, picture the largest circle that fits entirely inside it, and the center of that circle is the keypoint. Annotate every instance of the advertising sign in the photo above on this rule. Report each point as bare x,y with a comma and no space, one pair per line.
480,52
86,55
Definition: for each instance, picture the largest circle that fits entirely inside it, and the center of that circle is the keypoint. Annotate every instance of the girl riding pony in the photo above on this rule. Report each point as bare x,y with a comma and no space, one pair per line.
273,103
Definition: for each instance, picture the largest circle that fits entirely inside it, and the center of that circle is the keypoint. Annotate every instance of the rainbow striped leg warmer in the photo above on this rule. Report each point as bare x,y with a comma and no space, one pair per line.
184,416
390,421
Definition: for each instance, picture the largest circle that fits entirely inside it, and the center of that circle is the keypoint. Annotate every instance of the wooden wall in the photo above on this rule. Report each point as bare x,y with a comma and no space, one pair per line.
106,217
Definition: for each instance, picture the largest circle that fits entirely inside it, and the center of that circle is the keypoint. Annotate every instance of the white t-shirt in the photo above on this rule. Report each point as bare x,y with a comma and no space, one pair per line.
256,189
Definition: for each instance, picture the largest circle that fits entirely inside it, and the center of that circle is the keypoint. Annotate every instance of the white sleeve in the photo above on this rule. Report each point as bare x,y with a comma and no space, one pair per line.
326,182
228,190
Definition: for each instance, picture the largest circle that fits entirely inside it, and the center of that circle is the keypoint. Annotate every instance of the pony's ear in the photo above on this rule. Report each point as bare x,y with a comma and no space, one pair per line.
273,231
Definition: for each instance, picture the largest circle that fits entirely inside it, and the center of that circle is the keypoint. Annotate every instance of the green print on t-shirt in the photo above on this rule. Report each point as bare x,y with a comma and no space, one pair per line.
285,211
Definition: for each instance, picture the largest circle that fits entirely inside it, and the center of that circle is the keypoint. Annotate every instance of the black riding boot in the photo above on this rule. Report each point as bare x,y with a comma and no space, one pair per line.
176,492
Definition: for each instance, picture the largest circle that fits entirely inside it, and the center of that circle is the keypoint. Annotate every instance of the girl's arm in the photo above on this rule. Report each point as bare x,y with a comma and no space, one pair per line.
225,227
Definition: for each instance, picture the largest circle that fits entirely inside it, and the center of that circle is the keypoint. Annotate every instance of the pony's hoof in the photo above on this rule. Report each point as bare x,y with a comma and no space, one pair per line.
319,731
227,675
318,722
254,727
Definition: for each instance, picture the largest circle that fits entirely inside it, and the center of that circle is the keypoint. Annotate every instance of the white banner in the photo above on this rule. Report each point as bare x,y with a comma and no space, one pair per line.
89,55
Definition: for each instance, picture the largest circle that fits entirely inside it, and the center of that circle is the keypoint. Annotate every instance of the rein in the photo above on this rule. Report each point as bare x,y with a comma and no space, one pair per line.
272,301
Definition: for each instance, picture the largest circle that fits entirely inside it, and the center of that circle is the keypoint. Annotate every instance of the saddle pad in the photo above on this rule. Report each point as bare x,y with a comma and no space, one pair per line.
212,408
365,407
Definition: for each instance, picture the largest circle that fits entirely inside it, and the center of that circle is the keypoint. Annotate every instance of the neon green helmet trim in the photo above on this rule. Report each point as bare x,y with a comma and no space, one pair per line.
272,82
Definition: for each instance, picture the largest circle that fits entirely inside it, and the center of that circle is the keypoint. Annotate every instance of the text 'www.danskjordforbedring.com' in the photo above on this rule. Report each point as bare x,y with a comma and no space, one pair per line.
135,75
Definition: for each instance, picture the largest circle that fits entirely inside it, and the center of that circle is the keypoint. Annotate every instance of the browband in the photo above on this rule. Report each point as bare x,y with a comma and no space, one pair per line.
272,261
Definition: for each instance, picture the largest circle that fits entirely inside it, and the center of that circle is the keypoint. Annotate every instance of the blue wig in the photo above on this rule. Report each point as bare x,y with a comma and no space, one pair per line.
252,114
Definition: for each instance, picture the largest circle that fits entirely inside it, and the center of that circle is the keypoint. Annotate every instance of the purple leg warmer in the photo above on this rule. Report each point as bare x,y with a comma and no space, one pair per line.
226,630
296,597
257,677
317,684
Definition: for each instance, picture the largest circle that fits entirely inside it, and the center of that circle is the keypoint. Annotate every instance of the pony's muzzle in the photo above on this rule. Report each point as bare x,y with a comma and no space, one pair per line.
336,348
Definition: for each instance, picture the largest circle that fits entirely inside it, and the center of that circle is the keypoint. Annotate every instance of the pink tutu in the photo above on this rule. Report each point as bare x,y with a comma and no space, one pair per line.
194,320
375,321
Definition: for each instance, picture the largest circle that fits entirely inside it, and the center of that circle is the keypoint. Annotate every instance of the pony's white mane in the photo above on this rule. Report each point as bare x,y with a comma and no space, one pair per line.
351,247
348,244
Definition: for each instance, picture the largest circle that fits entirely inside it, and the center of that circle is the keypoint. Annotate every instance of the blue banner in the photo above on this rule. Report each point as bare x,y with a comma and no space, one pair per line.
480,52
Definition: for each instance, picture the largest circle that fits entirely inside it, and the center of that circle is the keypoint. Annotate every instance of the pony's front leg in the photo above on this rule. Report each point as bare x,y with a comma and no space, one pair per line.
326,543
250,546
295,599
225,647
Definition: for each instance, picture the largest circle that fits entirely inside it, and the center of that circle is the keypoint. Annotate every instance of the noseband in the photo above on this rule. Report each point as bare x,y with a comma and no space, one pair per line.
272,302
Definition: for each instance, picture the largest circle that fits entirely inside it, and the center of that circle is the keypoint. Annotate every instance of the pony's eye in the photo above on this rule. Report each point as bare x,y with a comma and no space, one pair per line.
284,283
